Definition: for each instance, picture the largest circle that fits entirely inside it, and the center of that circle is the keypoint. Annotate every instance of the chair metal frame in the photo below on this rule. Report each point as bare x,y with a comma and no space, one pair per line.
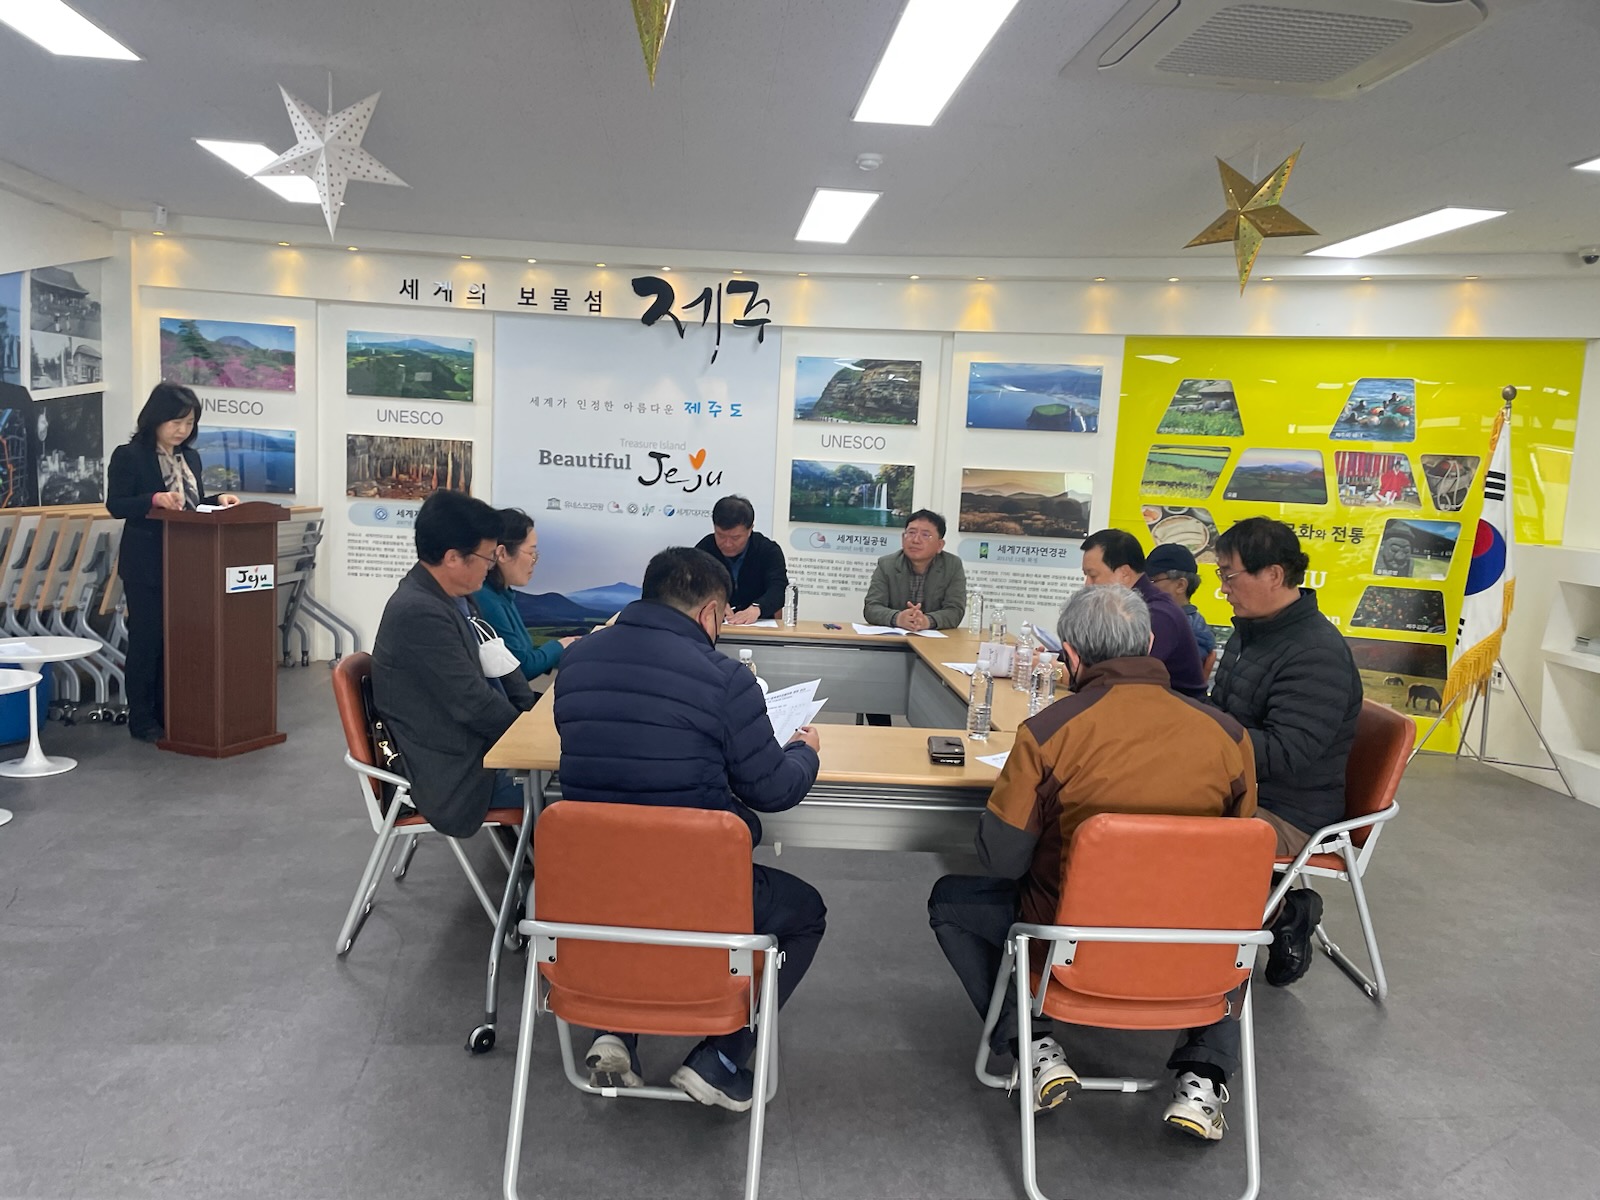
1063,943
546,937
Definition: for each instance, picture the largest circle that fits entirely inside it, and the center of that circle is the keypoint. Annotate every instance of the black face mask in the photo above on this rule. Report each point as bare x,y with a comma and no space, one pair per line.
1070,676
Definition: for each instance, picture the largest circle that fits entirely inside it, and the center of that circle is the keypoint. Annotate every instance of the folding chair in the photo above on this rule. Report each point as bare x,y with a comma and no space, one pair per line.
631,948
1136,946
1342,850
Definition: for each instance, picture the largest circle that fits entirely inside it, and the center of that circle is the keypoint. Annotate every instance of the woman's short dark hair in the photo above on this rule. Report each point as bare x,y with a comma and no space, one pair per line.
515,526
167,402
450,520
686,578
1261,542
733,512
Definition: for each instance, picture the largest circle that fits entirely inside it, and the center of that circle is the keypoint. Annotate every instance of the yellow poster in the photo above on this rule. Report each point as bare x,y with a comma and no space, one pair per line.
1370,450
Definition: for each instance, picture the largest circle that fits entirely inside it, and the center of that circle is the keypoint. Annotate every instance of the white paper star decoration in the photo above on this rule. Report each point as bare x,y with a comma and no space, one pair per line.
329,152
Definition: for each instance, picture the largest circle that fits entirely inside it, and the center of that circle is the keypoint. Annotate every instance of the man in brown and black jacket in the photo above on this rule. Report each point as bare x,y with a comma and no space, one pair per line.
1122,741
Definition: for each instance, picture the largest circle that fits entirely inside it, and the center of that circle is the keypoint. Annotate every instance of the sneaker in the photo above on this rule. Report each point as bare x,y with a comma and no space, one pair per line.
705,1076
1196,1107
1054,1080
612,1062
1289,956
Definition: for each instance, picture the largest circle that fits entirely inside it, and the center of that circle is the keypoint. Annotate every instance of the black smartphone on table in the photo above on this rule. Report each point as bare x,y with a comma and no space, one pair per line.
947,750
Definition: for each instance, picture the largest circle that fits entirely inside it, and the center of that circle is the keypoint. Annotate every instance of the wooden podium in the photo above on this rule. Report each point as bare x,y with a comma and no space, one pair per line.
221,668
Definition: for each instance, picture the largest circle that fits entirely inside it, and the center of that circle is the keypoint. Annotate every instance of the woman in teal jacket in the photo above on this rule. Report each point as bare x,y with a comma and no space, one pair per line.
515,557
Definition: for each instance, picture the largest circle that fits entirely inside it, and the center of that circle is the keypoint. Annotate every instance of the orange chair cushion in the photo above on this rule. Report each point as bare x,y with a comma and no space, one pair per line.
1378,759
1078,1008
1326,862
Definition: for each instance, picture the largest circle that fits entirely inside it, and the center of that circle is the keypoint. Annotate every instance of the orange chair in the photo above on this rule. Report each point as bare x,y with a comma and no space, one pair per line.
1136,946
631,948
1342,850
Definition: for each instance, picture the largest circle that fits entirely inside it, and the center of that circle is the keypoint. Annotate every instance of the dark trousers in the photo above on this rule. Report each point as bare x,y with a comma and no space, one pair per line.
971,916
146,668
790,909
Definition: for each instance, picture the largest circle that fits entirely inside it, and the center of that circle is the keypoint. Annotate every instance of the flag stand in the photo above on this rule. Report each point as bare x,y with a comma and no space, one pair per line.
1482,753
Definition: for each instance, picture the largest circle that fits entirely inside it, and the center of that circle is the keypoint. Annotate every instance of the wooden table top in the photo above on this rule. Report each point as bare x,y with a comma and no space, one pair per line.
895,756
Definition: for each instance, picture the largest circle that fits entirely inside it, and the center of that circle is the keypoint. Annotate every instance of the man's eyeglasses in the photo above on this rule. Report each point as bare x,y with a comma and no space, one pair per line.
1228,576
918,535
475,554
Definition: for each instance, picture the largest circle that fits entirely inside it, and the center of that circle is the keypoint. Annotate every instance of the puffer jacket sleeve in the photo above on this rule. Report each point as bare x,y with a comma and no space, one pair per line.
1307,697
762,774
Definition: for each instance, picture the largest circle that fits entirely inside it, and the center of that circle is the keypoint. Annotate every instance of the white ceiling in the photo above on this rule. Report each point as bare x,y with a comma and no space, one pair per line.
533,119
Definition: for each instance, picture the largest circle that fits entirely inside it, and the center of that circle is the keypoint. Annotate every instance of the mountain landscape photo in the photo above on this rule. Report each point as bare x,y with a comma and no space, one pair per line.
409,367
553,615
1279,477
1025,503
1048,397
858,391
233,354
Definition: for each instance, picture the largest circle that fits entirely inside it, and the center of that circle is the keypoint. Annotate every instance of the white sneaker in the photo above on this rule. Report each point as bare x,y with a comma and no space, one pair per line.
1196,1107
1053,1080
610,1064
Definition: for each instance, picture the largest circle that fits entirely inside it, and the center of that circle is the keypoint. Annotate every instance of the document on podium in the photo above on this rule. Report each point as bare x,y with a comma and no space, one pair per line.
791,707
210,508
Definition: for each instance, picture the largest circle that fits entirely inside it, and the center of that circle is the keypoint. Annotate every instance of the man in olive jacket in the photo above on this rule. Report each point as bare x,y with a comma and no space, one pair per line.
922,586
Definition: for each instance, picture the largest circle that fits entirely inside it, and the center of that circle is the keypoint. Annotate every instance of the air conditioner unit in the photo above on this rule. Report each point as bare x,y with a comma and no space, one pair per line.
1327,48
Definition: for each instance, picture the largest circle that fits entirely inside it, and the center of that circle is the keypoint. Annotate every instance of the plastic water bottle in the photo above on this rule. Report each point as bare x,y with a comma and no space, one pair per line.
997,622
980,701
1042,684
1022,659
747,658
975,612
791,610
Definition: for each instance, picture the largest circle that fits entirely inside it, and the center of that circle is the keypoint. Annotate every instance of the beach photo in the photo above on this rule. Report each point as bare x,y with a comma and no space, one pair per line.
234,354
11,328
1191,528
379,467
1050,504
1449,478
1416,549
1278,477
1052,397
1379,410
1183,472
1406,676
1204,408
246,460
408,367
1374,480
857,391
834,493
67,446
1409,610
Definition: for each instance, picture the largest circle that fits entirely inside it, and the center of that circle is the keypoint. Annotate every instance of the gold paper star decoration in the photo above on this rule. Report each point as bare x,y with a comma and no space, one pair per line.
652,17
1254,213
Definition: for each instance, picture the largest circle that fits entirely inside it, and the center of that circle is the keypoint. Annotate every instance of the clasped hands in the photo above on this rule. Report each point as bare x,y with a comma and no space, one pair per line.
913,618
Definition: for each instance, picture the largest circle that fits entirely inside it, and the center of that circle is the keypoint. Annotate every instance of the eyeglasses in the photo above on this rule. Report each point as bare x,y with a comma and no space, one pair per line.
1228,576
531,555
918,535
475,554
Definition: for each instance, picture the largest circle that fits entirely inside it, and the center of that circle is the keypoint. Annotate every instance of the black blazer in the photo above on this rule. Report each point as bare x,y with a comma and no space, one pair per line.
132,482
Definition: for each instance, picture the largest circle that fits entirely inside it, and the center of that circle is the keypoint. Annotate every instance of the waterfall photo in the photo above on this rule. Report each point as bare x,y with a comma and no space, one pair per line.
835,493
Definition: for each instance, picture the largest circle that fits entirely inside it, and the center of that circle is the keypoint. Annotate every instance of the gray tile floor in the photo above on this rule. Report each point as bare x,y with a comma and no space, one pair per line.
174,1024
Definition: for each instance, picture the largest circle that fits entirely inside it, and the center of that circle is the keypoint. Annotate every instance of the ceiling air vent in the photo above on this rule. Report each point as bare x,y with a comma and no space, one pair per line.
1330,48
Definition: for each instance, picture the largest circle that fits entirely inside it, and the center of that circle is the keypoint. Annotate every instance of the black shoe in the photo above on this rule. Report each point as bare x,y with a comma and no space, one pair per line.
153,734
1289,956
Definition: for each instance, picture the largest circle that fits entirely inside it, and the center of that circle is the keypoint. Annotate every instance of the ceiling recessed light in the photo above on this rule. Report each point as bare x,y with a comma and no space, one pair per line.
600,264
1099,278
468,257
1266,279
933,48
352,249
1428,225
913,276
982,278
1469,277
803,274
666,268
531,261
833,214
249,157
157,233
283,243
1592,165
1366,279
1173,279
738,272
61,30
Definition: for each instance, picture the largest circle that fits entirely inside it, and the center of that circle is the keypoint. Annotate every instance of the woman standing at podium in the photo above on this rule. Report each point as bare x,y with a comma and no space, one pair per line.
157,468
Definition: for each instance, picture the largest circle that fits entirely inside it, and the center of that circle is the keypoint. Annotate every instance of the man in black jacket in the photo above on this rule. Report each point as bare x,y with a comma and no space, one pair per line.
755,563
1288,678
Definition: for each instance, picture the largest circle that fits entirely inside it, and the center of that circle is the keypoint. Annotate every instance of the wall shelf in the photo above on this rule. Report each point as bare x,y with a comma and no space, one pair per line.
1570,703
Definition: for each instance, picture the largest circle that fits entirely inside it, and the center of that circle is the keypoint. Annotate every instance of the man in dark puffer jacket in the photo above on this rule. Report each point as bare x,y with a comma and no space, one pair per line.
650,712
1288,678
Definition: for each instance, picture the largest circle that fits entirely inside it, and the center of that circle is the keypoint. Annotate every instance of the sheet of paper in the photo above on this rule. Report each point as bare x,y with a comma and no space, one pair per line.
964,668
789,717
996,760
769,623
210,508
16,647
860,628
796,693
931,633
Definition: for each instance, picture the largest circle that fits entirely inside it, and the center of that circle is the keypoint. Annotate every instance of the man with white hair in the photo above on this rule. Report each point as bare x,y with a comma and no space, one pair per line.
1089,753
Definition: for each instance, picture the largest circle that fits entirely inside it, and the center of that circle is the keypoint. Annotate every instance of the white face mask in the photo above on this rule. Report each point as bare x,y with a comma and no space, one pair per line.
494,656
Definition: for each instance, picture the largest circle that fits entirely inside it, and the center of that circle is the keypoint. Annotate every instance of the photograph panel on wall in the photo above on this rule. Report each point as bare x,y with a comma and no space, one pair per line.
1049,504
1203,408
1449,479
1183,472
1408,610
67,447
1412,549
1278,477
1407,676
1379,410
11,326
380,467
18,482
840,493
235,354
1049,397
1191,528
65,325
857,391
1375,480
246,460
408,366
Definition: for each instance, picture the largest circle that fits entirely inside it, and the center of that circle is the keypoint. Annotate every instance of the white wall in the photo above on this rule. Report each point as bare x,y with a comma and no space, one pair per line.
41,235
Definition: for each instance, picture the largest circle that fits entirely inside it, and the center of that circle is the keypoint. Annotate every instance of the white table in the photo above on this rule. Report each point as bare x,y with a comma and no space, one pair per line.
17,681
30,652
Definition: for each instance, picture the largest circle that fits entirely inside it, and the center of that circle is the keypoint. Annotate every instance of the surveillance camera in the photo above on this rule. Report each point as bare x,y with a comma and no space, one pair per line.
1589,255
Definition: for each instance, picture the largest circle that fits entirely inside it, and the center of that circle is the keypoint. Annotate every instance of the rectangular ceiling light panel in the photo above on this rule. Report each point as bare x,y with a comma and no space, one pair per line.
62,30
250,157
934,46
1426,226
833,215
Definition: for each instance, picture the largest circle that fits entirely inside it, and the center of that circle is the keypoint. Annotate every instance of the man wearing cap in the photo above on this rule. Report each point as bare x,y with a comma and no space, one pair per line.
1172,569
1115,556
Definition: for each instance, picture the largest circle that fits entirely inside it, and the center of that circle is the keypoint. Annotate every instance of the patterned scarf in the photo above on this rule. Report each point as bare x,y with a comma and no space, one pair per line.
175,471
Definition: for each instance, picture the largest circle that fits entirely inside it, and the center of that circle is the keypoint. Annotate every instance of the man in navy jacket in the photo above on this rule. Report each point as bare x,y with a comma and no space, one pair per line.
650,712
